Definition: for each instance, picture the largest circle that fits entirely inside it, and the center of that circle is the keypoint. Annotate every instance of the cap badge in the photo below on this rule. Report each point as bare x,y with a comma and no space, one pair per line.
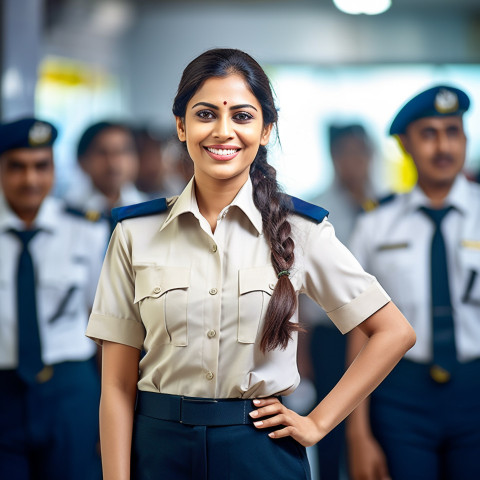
446,101
39,134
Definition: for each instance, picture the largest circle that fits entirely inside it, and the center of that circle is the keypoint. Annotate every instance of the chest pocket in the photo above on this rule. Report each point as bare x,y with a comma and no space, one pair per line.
162,294
255,288
62,285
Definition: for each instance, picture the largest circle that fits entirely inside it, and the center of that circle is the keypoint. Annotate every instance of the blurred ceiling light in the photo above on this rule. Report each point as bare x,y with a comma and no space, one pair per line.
112,17
12,84
368,7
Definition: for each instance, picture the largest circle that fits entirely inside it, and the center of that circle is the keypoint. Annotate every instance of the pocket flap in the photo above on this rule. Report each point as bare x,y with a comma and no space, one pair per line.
257,279
156,281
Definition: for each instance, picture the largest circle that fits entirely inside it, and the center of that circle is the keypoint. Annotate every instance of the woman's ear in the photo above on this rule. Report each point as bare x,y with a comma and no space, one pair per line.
265,138
181,129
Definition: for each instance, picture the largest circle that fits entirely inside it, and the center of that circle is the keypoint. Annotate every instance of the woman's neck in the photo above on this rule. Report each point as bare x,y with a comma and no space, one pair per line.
213,196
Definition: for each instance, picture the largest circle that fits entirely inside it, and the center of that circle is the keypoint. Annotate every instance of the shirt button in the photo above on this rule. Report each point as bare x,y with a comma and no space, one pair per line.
214,248
209,375
157,290
211,333
272,286
213,291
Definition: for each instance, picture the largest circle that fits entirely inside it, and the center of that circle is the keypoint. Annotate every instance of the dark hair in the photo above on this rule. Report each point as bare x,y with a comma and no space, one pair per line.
272,204
337,133
89,135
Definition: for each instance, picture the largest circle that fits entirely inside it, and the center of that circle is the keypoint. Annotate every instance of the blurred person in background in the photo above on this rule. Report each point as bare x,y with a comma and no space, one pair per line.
423,422
351,192
50,260
322,357
162,168
107,154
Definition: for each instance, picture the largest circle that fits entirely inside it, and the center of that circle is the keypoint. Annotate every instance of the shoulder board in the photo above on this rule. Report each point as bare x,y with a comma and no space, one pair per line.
308,210
90,215
158,205
372,204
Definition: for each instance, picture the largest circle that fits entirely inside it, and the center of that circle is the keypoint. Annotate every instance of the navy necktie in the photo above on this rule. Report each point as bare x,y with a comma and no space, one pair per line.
29,348
444,353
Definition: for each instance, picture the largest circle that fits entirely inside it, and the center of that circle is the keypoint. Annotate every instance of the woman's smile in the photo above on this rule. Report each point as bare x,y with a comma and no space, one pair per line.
222,152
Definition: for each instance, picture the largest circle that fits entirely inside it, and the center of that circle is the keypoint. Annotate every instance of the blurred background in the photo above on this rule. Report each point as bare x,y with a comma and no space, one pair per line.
77,61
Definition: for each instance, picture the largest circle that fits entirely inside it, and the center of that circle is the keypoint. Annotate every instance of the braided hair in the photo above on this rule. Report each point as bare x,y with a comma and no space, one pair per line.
267,197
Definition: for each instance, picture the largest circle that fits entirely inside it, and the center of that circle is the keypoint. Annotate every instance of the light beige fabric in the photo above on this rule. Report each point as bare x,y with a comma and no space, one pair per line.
195,301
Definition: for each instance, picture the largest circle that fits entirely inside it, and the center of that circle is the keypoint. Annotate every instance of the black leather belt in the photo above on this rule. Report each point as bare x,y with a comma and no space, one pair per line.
195,411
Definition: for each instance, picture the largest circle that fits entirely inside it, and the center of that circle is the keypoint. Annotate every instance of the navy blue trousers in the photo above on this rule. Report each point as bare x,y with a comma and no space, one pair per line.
429,431
328,351
49,431
174,451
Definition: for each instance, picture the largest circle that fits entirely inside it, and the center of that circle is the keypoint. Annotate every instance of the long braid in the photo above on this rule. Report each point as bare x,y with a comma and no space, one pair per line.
278,329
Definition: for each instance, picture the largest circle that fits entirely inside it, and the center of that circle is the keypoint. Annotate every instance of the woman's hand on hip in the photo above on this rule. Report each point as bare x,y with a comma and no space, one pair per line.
303,429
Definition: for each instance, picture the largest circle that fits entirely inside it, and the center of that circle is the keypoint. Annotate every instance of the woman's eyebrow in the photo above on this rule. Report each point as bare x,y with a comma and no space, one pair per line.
205,104
246,105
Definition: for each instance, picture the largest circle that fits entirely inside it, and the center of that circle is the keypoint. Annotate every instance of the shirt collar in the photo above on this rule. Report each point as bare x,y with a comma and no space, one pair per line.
186,202
46,218
457,197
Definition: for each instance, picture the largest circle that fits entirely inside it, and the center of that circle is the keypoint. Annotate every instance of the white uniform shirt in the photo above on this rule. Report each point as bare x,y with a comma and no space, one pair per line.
67,254
393,243
86,197
195,301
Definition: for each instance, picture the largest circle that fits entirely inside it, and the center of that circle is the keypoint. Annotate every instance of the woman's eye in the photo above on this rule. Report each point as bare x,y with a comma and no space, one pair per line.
242,116
205,114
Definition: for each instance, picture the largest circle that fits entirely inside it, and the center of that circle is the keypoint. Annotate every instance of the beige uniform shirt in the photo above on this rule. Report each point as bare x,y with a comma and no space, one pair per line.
195,300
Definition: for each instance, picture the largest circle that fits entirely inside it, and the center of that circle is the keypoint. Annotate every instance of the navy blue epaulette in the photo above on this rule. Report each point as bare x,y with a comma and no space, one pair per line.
370,205
158,205
308,210
90,215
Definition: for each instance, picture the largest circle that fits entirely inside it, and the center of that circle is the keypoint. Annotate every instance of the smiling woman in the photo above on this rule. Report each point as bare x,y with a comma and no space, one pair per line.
206,284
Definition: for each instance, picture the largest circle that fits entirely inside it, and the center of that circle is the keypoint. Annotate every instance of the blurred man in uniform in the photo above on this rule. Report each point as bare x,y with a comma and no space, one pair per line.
164,166
107,155
351,192
423,422
50,259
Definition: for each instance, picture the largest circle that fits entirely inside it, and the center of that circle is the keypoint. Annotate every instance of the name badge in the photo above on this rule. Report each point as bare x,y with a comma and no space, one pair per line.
392,246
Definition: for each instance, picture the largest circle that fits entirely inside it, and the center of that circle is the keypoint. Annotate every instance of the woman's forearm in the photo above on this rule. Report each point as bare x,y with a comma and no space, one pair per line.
117,403
116,425
389,337
358,422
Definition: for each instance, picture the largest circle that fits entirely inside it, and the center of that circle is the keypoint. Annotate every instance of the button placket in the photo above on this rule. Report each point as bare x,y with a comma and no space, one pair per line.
213,284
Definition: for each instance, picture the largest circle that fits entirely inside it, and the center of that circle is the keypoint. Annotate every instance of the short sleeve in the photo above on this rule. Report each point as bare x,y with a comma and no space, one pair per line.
114,315
336,280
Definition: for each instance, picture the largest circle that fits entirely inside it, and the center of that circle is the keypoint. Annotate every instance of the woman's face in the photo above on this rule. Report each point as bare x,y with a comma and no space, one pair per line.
223,129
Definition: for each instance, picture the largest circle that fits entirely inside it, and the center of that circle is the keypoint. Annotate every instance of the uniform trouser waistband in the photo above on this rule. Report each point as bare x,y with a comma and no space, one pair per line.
58,372
194,410
416,376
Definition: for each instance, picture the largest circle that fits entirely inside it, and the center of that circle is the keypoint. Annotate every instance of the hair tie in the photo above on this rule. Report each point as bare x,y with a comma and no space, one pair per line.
282,273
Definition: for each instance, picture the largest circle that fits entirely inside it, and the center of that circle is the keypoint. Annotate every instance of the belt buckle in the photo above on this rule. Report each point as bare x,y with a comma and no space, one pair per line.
439,374
45,374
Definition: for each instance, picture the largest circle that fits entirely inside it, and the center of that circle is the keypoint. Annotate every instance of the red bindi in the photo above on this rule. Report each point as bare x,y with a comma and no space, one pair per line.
225,102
